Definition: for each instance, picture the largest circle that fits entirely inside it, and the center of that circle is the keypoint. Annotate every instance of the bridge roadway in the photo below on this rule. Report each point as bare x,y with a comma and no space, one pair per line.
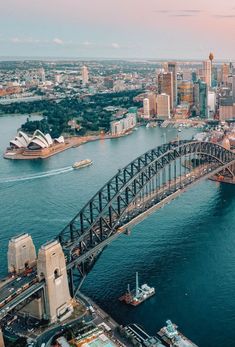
17,290
136,213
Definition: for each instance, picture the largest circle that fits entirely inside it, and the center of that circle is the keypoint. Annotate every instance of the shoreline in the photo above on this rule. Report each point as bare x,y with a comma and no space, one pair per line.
71,142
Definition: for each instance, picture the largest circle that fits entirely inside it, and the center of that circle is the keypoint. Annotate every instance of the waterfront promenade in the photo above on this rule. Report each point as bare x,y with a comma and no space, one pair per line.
70,142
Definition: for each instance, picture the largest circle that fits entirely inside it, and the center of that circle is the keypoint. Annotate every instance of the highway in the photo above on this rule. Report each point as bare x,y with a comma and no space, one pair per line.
18,290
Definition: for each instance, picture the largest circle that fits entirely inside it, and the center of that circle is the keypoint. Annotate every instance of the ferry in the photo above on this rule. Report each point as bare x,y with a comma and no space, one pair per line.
82,163
138,295
172,337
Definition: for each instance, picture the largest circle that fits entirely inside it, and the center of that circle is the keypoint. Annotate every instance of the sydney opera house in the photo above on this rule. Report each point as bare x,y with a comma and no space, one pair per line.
38,145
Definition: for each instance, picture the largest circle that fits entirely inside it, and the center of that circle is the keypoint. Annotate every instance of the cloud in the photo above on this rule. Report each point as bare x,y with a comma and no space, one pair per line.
190,11
115,45
24,40
180,13
221,16
87,43
183,15
58,41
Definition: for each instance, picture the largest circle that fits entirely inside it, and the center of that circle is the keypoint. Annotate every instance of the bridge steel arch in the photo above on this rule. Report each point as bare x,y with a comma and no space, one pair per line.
135,191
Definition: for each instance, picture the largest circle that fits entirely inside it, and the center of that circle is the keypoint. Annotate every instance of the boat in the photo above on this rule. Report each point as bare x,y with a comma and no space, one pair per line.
172,337
82,163
138,295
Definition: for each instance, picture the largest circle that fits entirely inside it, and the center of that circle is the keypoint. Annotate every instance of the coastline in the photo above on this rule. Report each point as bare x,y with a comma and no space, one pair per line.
71,142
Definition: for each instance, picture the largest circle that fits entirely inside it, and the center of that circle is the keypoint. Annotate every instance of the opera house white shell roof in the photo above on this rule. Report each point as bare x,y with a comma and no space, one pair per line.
37,141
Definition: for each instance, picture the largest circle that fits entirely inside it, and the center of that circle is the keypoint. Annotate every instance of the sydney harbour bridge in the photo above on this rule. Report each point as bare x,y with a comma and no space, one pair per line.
137,190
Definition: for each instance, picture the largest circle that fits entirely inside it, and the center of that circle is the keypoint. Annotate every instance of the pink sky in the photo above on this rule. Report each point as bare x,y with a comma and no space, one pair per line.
118,28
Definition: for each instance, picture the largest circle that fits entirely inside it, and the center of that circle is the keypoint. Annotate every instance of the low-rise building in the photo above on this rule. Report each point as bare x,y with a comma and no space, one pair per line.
123,125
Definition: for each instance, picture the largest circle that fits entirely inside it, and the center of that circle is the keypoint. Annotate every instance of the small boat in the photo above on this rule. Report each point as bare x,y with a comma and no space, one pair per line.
82,163
138,295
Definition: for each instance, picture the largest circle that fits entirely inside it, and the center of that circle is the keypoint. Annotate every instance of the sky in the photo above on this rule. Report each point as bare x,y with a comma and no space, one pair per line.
157,29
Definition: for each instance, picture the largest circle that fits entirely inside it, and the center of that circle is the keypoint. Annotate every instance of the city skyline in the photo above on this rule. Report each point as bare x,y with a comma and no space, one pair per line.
118,29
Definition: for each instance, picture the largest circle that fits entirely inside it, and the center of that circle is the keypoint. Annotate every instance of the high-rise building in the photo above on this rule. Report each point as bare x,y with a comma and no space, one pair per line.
146,107
214,76
207,72
230,68
152,103
200,92
185,91
42,75
211,103
165,67
233,88
172,67
166,86
224,73
194,77
85,75
163,106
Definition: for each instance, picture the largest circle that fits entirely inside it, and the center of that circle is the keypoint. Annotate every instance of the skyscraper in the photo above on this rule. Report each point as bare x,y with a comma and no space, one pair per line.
42,75
152,103
225,73
186,92
172,67
166,86
85,75
163,106
207,72
233,88
200,95
146,108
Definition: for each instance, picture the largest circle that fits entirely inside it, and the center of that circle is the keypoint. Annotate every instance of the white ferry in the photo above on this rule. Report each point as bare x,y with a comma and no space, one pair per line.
82,163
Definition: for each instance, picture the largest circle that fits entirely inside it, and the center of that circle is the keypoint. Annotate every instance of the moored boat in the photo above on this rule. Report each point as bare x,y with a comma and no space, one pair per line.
138,295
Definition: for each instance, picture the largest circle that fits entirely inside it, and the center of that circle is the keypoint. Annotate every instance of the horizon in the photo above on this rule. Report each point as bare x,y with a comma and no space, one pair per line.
131,59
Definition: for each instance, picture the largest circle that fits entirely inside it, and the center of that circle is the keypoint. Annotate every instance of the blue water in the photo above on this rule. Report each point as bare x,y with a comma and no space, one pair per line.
185,250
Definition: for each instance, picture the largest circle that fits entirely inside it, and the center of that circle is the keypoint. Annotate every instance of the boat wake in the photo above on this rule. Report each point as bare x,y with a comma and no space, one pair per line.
37,176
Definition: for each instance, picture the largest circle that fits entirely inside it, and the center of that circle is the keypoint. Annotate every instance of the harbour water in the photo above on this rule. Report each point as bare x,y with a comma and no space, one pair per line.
185,250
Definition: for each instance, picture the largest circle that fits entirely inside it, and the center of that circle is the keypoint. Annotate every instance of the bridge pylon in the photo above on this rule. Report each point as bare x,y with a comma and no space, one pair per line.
51,267
21,253
2,344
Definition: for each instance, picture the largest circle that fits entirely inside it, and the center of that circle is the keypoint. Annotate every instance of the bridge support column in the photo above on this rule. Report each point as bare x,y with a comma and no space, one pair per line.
35,308
2,344
51,267
21,253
